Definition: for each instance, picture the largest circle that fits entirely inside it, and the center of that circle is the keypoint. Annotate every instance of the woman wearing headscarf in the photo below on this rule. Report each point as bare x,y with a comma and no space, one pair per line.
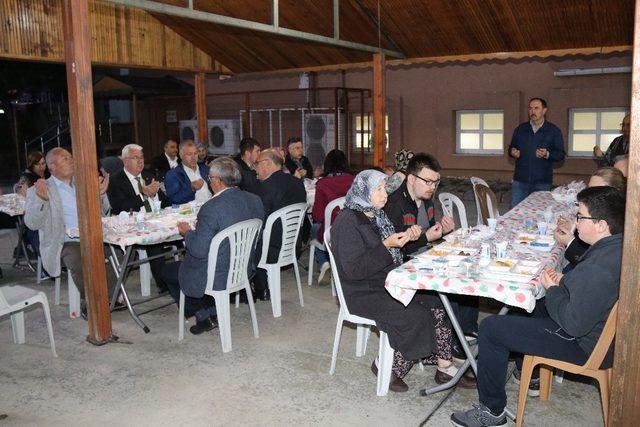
366,248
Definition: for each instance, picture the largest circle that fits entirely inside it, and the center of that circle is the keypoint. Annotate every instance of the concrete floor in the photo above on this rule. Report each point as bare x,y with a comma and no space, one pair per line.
282,378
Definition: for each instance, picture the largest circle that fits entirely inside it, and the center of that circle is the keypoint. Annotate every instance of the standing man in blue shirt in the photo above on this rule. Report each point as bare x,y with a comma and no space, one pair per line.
535,145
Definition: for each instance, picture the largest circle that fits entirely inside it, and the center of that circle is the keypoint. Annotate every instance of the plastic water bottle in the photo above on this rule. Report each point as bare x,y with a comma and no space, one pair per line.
140,223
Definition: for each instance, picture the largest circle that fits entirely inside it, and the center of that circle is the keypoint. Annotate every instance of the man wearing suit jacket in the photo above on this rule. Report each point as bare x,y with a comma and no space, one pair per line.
228,206
163,163
249,152
133,189
298,164
52,210
189,180
277,190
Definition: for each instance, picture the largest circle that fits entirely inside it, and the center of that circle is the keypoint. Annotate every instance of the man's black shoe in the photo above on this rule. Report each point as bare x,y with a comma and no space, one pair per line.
243,298
203,326
458,353
119,306
263,295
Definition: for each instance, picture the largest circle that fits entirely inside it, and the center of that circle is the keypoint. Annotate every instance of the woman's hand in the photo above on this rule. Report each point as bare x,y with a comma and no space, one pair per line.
414,232
396,240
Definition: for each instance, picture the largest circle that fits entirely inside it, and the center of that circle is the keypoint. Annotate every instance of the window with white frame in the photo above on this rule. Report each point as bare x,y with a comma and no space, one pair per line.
480,132
362,132
589,127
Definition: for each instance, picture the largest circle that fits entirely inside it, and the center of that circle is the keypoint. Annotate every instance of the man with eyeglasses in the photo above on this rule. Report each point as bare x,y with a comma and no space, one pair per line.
134,189
276,190
411,204
228,206
578,305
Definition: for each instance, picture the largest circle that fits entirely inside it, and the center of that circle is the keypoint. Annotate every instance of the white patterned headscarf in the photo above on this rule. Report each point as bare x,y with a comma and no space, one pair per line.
359,199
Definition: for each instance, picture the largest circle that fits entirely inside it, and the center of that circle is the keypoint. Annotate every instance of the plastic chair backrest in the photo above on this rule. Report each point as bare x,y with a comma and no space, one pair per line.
488,203
328,211
3,301
291,218
447,200
334,272
242,240
604,342
477,181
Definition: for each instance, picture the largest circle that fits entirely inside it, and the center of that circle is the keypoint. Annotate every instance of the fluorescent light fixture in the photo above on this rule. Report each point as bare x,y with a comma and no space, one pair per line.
1,111
568,72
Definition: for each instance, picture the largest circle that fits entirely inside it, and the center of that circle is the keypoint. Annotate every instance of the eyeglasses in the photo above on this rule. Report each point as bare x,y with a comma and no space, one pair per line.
579,217
429,182
136,158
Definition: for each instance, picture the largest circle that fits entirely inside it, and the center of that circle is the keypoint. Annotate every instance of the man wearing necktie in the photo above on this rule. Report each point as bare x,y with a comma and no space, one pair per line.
134,189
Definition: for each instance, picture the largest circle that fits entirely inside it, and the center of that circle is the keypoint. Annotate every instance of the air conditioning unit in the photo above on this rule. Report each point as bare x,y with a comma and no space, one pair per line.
319,135
223,135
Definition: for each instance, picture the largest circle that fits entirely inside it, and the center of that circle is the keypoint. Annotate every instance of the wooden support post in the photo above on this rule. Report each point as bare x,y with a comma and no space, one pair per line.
336,119
79,84
379,110
134,107
624,409
246,126
201,108
347,127
362,141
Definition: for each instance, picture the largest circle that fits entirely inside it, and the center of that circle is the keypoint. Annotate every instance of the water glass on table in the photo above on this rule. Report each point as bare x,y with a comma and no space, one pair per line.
542,228
501,249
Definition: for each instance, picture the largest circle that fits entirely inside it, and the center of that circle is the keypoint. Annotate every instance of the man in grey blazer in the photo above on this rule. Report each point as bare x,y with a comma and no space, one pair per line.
228,206
52,210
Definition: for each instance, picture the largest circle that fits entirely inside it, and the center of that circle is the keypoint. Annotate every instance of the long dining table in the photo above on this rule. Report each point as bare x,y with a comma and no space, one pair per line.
469,273
13,205
125,233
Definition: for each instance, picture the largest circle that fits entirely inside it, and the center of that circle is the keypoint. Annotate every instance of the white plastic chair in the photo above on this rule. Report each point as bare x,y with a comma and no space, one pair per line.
74,294
242,242
448,200
328,210
145,274
14,300
291,218
487,199
475,181
385,352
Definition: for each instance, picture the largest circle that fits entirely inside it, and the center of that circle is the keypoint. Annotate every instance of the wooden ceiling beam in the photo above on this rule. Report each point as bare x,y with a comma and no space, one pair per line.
186,12
603,50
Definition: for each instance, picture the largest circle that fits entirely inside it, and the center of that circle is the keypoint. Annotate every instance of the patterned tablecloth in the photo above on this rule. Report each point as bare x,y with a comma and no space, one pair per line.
12,204
158,228
403,281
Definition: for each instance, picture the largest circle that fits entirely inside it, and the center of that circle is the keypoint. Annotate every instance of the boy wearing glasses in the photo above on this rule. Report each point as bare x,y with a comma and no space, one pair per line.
578,304
411,204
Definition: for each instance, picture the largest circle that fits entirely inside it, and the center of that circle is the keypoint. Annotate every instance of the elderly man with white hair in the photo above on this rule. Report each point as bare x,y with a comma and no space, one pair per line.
189,180
51,208
135,189
228,206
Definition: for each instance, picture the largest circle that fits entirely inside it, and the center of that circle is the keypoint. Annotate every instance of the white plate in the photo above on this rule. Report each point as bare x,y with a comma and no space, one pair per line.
495,266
